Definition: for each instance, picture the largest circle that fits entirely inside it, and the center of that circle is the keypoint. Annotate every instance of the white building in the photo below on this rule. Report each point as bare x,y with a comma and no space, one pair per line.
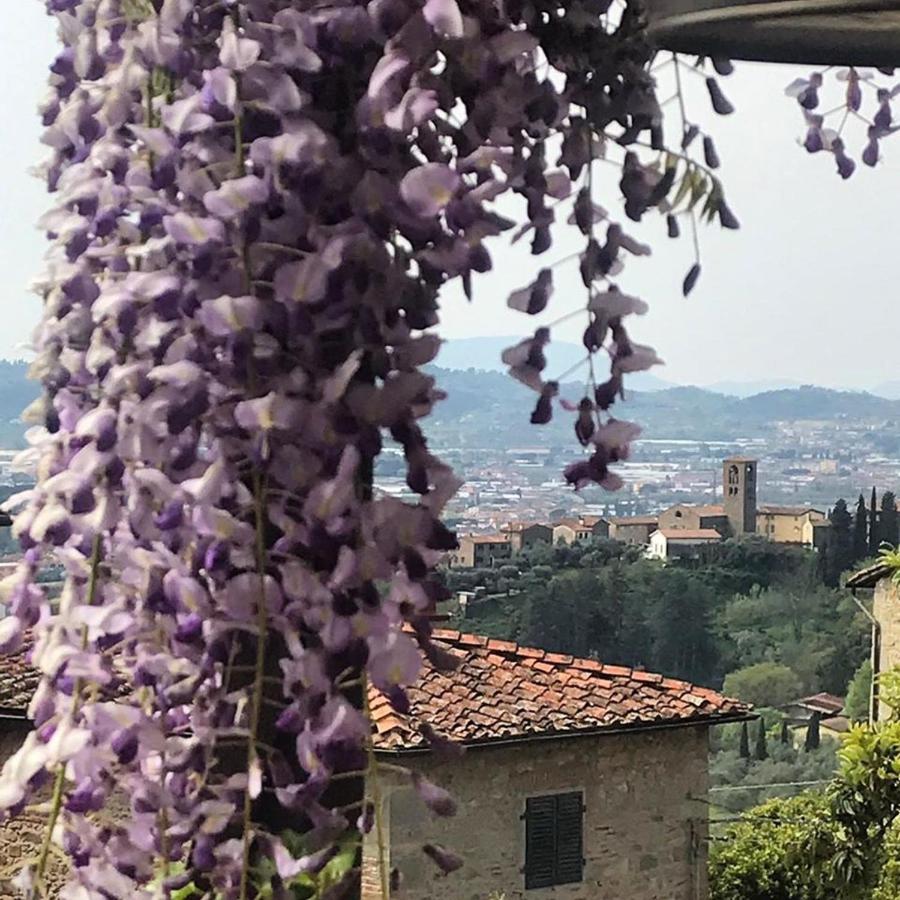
677,543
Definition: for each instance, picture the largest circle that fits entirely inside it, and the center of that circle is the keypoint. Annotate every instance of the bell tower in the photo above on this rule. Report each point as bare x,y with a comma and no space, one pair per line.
739,491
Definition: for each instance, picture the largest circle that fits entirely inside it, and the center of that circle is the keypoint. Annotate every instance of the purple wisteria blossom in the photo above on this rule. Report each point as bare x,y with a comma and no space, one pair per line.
256,205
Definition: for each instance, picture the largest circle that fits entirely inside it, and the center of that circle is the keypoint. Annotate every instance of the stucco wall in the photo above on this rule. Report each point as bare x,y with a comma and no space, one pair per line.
886,610
644,825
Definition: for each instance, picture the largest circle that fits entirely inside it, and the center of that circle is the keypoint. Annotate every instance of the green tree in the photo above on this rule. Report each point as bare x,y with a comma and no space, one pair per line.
508,575
856,706
761,751
874,540
839,550
813,737
860,530
762,857
889,531
763,684
744,748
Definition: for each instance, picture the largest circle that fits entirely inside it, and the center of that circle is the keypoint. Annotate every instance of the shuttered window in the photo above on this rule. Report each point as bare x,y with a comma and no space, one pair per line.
553,840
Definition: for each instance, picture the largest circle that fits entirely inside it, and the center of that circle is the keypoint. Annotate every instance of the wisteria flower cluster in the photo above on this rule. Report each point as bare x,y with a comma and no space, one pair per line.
256,204
864,106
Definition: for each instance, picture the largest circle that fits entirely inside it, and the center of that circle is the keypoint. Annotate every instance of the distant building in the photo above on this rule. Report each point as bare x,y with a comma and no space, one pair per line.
696,517
739,481
825,706
585,528
681,543
480,551
526,534
793,525
580,780
633,529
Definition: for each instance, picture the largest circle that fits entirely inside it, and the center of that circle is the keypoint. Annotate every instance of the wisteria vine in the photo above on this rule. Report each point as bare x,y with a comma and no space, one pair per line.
257,203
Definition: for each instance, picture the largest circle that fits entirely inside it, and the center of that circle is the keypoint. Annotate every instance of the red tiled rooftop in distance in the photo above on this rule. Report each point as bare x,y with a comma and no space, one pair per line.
502,691
825,702
770,510
690,534
485,538
633,520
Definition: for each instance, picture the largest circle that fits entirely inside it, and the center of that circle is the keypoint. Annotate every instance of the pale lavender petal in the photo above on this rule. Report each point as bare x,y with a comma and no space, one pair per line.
428,189
444,17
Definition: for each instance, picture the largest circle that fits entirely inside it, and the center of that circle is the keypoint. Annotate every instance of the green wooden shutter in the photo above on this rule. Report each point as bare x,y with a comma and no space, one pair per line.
569,846
540,842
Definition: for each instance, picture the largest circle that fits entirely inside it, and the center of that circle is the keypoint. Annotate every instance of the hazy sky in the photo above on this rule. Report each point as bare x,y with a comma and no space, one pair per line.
806,290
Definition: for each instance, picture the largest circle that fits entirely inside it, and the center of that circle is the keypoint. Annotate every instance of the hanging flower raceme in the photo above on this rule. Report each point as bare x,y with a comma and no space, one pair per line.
256,204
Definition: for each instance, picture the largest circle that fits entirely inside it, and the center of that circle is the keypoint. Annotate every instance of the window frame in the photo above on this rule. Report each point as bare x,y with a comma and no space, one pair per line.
560,865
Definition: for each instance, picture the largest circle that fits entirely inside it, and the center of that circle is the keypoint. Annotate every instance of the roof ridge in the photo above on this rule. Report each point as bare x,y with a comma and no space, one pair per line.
470,640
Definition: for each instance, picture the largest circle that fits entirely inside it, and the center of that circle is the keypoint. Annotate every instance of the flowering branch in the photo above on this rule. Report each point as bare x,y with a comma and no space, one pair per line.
256,207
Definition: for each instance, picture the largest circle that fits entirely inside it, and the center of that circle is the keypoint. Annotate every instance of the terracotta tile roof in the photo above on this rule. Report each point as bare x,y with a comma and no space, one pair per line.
591,521
705,509
769,510
569,523
18,682
870,576
633,520
485,538
502,691
829,703
690,534
522,526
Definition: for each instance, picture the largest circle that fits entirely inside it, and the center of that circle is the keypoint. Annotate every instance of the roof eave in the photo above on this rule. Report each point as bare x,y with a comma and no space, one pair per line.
665,725
868,578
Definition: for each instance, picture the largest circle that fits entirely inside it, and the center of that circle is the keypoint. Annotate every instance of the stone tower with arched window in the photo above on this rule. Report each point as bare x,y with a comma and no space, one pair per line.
739,491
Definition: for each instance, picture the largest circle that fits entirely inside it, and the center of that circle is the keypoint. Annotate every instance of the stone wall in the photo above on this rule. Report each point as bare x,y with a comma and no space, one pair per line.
645,825
886,610
21,837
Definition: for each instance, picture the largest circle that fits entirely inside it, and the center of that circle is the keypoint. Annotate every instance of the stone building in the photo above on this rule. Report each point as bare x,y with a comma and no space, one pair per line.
681,543
739,484
877,582
695,517
526,534
480,551
20,837
793,525
581,781
633,529
584,528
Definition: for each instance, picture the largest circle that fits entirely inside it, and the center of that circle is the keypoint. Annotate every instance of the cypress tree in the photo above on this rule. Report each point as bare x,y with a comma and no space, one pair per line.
744,749
860,530
839,551
888,530
762,751
874,540
812,733
785,734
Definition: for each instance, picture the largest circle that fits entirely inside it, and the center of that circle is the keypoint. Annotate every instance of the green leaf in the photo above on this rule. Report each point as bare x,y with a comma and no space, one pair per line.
701,185
687,181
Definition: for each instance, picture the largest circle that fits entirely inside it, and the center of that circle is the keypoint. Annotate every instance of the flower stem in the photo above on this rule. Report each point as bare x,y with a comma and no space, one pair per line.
375,787
259,492
60,777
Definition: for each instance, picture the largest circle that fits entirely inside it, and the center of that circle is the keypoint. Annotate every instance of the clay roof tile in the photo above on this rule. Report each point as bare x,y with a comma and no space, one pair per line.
503,691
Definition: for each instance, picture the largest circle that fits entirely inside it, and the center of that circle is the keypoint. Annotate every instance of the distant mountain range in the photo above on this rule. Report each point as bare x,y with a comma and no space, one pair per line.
484,404
484,353
491,408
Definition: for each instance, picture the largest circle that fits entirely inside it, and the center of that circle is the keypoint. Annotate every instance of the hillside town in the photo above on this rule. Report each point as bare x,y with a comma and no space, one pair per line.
675,532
